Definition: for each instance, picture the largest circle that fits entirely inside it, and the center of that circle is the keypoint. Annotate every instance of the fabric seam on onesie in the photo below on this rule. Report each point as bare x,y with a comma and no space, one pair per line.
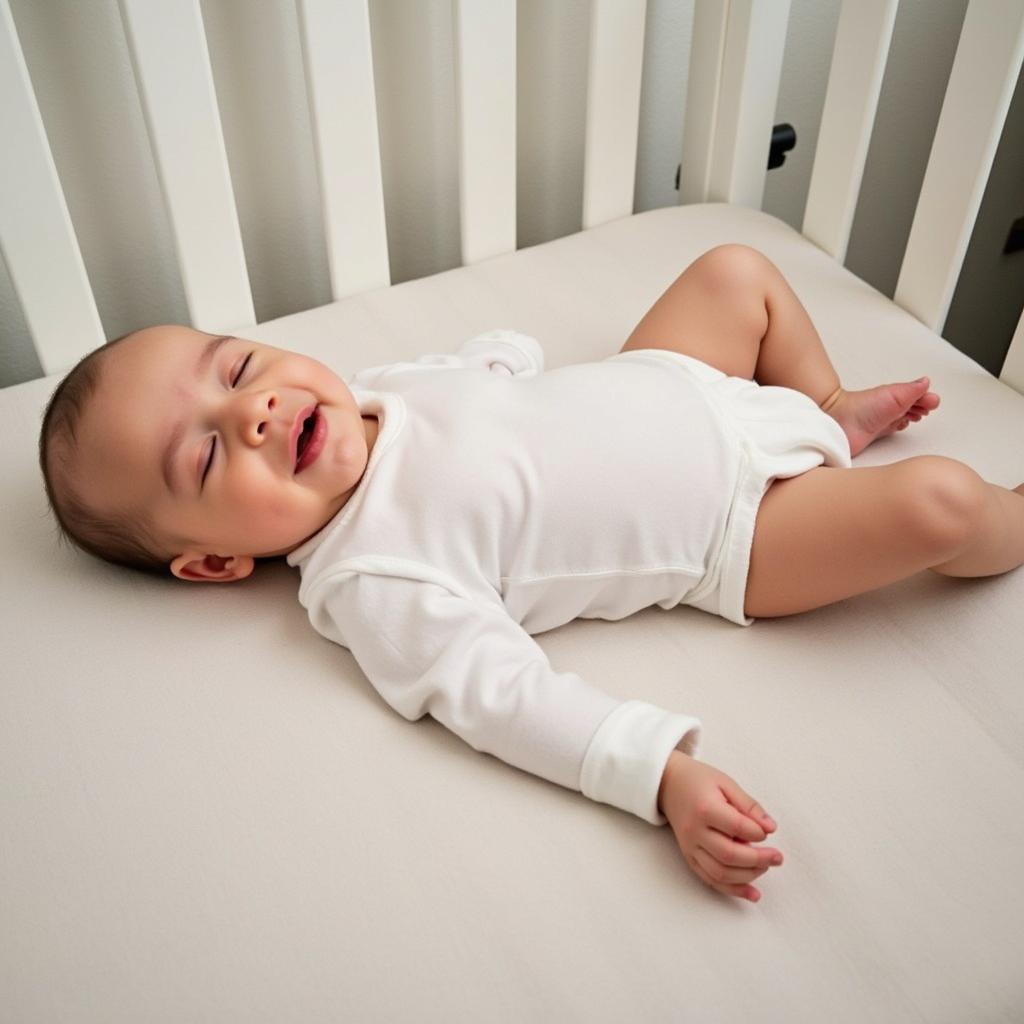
681,570
387,565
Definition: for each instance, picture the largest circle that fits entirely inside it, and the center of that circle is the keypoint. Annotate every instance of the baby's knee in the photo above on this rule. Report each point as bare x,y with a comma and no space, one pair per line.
738,277
734,265
943,499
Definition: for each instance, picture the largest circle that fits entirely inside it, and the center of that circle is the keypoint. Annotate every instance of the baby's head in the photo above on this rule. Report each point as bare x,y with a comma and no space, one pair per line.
172,450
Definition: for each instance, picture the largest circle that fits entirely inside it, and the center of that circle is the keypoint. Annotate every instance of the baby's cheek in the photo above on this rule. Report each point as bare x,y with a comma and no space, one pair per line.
345,453
288,516
259,510
275,512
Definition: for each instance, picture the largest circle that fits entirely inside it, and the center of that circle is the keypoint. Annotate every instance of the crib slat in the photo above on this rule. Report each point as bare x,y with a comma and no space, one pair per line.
343,108
485,83
169,54
985,69
851,101
710,22
36,234
1013,366
748,87
615,68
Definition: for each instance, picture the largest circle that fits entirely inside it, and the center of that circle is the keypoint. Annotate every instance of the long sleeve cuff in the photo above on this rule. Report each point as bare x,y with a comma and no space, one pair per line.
628,753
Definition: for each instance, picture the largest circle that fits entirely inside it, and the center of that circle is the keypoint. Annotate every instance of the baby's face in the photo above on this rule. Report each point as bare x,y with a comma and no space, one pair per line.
202,434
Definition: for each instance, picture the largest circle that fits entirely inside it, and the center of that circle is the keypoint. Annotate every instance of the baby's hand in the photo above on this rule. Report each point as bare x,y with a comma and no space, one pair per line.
714,822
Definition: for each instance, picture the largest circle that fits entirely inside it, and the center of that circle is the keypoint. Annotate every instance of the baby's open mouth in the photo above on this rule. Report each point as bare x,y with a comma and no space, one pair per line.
310,440
307,433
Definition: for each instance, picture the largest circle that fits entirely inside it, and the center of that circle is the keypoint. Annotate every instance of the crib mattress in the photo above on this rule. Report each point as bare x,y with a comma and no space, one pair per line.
209,814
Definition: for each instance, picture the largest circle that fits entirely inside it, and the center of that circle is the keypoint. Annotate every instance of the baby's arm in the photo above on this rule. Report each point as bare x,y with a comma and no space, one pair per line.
715,822
505,351
501,350
430,647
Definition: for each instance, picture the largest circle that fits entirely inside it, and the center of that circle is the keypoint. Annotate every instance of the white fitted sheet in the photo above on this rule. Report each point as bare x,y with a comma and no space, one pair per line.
209,814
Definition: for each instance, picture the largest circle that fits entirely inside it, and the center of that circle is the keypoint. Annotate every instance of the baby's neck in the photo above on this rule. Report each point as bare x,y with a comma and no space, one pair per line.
371,428
371,425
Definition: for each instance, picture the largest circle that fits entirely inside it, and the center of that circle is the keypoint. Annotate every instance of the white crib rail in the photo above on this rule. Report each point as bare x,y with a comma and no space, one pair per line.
985,69
851,101
731,141
704,76
734,74
615,67
485,75
37,237
172,68
339,63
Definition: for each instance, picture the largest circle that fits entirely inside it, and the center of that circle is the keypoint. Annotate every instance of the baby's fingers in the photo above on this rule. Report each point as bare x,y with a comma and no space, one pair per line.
727,819
740,889
747,804
735,853
724,872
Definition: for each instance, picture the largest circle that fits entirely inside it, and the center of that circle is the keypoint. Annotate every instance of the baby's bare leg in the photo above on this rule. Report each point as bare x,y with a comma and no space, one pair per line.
832,533
733,309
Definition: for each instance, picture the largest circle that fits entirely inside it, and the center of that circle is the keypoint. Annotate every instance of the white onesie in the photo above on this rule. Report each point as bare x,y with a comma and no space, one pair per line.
501,501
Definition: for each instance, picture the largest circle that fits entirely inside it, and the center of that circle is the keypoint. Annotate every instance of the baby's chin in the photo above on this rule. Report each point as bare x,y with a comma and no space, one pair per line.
281,552
286,547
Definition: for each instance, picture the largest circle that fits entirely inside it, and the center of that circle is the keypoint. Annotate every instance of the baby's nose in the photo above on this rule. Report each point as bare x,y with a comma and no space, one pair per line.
257,416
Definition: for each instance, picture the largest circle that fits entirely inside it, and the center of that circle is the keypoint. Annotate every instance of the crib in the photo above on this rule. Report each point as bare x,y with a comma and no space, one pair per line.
208,812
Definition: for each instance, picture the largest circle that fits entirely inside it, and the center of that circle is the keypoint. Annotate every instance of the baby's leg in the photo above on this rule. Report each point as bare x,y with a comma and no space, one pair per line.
733,309
831,533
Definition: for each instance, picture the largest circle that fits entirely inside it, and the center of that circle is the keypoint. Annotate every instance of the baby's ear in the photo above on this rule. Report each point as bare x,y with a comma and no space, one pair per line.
195,566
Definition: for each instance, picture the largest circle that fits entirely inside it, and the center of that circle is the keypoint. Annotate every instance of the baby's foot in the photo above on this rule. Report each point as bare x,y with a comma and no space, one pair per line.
872,413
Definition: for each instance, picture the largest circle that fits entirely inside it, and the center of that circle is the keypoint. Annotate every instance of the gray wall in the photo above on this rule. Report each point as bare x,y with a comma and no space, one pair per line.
78,61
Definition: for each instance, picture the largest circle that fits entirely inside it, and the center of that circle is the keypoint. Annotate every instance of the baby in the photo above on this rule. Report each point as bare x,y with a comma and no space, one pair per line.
444,511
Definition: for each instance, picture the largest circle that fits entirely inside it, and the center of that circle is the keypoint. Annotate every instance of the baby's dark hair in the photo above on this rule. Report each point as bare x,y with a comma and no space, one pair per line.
121,537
